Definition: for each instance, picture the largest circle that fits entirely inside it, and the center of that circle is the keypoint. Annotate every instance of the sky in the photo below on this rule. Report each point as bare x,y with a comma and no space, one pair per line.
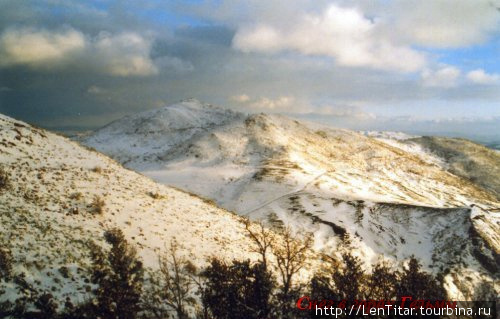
421,66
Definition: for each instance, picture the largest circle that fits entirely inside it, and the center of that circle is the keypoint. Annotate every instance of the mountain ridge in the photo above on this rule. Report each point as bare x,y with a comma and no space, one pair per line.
335,183
257,133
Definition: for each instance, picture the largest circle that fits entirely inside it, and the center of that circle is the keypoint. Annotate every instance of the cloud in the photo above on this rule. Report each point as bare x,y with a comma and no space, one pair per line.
280,104
344,111
95,90
292,105
445,23
479,76
341,33
173,63
445,77
240,98
123,54
38,48
430,23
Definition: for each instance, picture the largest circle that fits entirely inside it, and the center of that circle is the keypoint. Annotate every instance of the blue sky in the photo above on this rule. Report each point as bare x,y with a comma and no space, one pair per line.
431,65
485,56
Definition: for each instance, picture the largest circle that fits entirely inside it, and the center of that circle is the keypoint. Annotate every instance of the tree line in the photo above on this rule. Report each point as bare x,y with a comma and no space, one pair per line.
240,289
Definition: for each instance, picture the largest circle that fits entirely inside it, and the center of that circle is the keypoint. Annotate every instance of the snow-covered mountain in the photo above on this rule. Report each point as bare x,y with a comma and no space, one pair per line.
212,151
56,195
386,196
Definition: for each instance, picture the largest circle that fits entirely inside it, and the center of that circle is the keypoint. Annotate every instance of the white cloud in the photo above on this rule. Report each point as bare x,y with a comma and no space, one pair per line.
280,104
433,23
292,105
445,77
445,23
378,34
479,76
39,48
342,33
242,98
124,54
344,111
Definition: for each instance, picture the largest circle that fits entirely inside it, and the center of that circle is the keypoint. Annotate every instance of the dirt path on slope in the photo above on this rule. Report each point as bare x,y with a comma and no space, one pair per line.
295,192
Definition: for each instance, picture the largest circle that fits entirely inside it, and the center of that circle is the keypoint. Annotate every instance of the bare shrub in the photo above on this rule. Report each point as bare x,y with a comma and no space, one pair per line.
5,263
97,170
322,134
76,196
261,238
175,287
156,195
4,179
97,205
291,252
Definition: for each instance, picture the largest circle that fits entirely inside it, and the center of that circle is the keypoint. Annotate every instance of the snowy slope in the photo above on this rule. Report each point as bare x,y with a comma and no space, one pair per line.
47,216
460,242
245,155
144,137
388,135
386,196
464,158
471,161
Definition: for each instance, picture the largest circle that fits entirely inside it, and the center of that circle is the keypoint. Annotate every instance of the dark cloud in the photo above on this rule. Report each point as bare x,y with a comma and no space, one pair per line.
216,35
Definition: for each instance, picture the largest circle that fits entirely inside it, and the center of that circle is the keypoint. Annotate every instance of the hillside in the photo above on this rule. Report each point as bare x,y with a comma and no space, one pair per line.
474,162
56,196
384,197
261,148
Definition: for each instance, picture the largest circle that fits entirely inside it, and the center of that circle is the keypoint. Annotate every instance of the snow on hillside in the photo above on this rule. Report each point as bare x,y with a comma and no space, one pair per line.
388,135
144,137
471,161
390,198
466,159
231,160
49,210
460,242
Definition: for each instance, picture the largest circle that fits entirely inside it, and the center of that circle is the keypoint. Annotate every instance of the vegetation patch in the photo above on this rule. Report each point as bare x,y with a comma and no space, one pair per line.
4,179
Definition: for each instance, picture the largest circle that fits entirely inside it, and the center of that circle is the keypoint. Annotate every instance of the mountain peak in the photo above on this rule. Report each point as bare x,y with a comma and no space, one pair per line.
146,133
